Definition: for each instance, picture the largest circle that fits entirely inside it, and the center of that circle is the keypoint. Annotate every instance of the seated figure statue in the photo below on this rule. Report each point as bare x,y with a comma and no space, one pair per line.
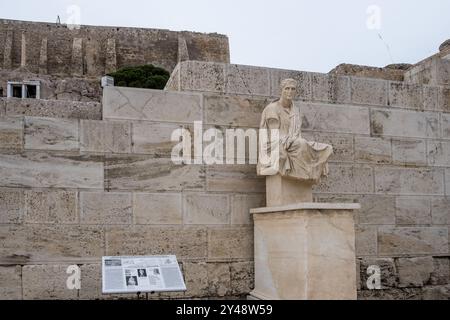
298,159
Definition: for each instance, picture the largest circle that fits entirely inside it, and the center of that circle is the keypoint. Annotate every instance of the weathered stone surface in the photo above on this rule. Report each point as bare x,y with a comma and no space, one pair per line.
447,182
304,90
376,209
206,209
202,76
11,133
436,293
51,134
196,279
155,138
232,110
409,152
366,241
342,145
430,98
105,136
347,179
2,107
440,210
51,207
37,243
414,124
445,126
105,208
219,279
41,282
233,178
441,271
369,91
391,294
406,95
242,277
332,118
247,80
230,242
43,170
157,208
11,280
413,210
409,181
444,99
373,150
438,153
330,88
408,240
145,173
145,104
145,240
241,205
54,108
414,272
12,205
387,268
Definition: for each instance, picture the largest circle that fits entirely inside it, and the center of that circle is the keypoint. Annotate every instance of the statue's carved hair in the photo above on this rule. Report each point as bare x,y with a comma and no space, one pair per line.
289,81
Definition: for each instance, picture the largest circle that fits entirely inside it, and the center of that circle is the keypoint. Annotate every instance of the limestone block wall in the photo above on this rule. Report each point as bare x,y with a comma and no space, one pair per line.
392,155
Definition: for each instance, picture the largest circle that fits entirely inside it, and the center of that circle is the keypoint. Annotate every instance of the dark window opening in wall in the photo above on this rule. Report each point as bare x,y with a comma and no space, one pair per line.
17,91
1,92
30,91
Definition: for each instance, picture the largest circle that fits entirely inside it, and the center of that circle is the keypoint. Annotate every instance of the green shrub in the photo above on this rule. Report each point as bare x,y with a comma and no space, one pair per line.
146,76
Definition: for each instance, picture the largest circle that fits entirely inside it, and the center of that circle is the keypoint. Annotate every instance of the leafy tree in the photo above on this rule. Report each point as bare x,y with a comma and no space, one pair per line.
146,76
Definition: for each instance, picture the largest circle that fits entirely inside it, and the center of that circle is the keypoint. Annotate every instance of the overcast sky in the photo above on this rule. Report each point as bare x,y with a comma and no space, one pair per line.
292,34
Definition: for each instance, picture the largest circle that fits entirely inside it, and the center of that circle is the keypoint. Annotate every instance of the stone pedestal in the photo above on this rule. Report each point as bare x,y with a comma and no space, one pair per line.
305,251
283,191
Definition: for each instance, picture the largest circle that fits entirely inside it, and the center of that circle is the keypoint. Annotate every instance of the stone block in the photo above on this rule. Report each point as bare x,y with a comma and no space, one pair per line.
230,243
373,150
345,178
149,240
414,124
196,279
406,95
447,182
155,138
413,210
154,105
414,272
242,277
412,240
444,99
342,145
409,180
37,243
304,89
436,293
157,208
335,118
12,205
219,279
366,241
202,76
440,210
249,80
330,88
441,271
445,126
54,108
234,178
438,153
42,170
44,282
391,294
11,280
145,173
51,207
11,133
233,110
51,134
409,152
241,205
105,136
387,268
430,98
2,107
369,91
200,208
106,208
376,209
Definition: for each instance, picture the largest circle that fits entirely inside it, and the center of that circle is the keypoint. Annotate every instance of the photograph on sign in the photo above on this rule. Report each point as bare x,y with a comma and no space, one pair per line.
141,274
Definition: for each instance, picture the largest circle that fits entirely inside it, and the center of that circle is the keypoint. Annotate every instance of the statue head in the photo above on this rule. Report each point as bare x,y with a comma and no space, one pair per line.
288,88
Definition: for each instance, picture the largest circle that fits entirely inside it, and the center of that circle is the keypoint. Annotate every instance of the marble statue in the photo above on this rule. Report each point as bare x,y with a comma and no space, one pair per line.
298,158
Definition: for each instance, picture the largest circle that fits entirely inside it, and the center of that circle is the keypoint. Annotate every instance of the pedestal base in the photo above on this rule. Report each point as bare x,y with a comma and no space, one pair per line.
283,191
305,251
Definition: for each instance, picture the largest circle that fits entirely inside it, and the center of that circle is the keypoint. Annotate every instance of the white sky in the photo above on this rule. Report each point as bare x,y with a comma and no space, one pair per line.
314,35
